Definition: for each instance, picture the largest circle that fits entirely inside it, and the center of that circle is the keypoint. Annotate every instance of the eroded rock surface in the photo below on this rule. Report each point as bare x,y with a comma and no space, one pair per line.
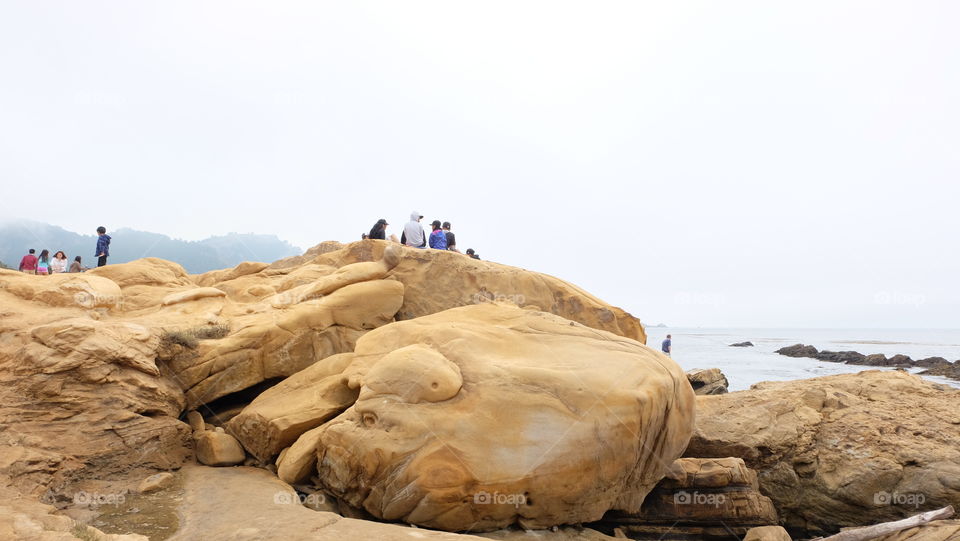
837,451
249,504
699,499
480,417
707,381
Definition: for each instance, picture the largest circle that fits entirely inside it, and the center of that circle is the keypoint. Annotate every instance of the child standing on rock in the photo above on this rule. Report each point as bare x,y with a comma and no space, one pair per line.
103,246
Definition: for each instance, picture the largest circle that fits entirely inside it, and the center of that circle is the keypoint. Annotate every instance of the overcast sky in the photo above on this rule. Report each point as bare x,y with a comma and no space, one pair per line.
697,163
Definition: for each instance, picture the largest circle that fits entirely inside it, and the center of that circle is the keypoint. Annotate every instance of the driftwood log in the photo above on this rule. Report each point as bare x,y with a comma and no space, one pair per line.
887,528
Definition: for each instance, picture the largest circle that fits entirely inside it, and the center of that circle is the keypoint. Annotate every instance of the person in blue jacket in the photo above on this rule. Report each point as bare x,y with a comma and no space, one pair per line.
438,239
103,246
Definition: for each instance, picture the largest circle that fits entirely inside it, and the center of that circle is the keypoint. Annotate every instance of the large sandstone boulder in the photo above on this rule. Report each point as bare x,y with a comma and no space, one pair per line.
847,450
484,416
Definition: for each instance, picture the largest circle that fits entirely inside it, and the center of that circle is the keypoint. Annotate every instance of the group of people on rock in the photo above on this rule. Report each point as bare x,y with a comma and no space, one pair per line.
46,265
440,237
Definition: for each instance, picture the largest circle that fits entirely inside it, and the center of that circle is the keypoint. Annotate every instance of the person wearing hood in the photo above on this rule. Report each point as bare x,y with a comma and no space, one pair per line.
103,246
438,240
413,234
379,230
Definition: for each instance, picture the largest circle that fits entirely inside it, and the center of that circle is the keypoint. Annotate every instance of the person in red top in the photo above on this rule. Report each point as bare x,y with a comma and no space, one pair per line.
29,263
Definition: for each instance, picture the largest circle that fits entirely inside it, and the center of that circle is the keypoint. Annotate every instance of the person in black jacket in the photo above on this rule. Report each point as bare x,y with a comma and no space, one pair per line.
451,238
379,230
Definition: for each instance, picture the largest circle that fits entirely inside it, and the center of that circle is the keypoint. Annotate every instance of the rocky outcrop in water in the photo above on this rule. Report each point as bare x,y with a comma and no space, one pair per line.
937,366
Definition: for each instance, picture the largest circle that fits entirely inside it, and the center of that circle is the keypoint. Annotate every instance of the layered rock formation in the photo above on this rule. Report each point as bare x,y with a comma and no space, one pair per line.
699,499
80,391
594,420
707,381
842,450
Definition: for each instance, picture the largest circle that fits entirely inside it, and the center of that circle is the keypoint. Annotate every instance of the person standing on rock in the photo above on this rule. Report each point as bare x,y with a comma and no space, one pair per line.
103,246
451,238
379,230
667,345
438,240
413,234
28,264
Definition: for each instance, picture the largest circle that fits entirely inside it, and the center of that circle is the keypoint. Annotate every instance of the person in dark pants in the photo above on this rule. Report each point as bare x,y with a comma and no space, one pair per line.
103,246
667,345
472,254
451,238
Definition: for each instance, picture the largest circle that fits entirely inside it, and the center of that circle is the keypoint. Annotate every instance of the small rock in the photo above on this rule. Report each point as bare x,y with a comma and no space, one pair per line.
196,421
742,345
157,481
707,381
219,449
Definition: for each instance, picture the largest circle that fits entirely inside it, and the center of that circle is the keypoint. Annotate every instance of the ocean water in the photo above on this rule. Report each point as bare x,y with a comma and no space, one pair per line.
710,348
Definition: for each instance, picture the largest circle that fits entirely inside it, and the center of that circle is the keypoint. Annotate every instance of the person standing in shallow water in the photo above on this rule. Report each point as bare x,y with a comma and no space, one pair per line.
667,345
103,246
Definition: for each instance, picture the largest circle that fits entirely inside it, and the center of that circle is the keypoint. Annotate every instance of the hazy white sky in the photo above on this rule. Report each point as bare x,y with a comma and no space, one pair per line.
697,163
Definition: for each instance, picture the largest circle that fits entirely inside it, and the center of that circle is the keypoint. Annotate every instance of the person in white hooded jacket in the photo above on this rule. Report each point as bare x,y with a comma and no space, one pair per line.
413,234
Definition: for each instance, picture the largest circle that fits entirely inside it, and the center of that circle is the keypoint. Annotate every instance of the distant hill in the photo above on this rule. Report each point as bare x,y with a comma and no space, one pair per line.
129,244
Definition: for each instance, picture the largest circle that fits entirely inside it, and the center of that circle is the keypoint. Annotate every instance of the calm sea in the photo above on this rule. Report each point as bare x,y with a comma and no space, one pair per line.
709,348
